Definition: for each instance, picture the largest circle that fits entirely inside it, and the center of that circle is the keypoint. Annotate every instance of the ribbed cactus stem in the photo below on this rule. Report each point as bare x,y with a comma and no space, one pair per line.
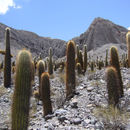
22,91
114,61
106,59
79,69
81,58
77,53
112,86
50,64
45,91
85,58
7,60
41,69
128,46
70,69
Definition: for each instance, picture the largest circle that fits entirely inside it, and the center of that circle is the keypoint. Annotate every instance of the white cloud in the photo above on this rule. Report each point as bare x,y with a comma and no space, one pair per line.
6,4
128,28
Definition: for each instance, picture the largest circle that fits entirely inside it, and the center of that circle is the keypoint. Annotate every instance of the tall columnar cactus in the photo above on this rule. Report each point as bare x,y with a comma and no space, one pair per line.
112,86
97,62
77,53
81,58
7,60
128,46
106,59
41,69
70,69
85,58
79,69
99,65
92,66
114,61
45,91
22,91
50,64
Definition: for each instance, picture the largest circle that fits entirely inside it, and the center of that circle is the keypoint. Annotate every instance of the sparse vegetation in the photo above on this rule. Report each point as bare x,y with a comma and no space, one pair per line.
69,94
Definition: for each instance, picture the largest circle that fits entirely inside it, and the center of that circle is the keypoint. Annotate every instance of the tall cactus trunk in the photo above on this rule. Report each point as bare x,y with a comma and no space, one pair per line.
70,69
22,91
128,46
7,61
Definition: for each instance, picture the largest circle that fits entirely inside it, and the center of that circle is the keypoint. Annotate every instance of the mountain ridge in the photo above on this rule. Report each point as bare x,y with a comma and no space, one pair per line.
99,33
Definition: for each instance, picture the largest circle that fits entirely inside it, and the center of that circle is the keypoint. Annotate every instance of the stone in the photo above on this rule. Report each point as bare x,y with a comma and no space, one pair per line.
62,118
60,112
89,89
77,121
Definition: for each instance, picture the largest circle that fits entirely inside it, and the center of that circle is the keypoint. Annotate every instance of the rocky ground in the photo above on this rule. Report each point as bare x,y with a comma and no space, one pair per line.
88,109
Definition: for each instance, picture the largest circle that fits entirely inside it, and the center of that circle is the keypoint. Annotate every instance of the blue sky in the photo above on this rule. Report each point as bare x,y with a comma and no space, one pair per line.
63,19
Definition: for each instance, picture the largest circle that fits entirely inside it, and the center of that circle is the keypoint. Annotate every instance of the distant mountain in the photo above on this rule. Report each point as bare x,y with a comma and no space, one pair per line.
36,44
99,33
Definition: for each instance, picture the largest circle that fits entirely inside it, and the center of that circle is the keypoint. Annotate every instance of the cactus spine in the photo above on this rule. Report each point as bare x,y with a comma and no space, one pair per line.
128,46
85,58
41,69
45,91
22,91
50,65
112,86
114,61
70,69
7,60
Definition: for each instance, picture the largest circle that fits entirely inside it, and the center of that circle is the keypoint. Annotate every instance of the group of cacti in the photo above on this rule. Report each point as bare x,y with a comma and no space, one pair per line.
25,69
114,77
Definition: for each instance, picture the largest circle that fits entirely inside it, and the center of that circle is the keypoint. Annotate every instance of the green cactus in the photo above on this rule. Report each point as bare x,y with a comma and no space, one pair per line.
97,62
81,58
85,58
70,69
45,91
77,53
114,61
79,69
112,86
22,91
50,64
7,60
128,46
106,59
99,65
41,69
92,66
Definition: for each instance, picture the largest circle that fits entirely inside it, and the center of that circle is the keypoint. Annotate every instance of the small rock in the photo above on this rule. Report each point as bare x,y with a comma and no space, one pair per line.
62,118
6,100
87,121
49,116
74,103
60,112
77,121
89,89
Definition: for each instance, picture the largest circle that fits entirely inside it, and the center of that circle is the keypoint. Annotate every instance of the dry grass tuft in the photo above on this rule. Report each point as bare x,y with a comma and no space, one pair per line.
112,117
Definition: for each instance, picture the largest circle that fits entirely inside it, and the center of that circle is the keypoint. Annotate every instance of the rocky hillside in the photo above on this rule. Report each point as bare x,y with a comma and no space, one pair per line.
36,44
99,33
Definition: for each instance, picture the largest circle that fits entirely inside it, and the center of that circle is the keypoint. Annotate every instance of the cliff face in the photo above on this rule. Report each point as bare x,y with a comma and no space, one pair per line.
99,33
